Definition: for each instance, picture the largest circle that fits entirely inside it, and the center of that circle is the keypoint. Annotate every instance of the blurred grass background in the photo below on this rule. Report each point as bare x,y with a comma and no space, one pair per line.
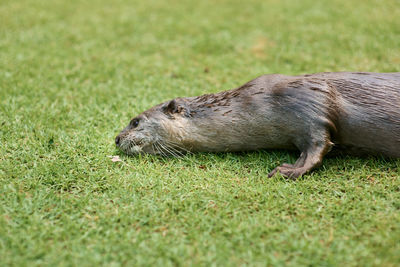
72,74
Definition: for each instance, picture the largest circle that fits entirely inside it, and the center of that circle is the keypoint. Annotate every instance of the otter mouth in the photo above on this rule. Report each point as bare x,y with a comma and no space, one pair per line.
130,147
163,149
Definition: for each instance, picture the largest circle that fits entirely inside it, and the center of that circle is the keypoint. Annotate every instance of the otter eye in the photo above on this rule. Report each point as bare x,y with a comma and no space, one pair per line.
134,123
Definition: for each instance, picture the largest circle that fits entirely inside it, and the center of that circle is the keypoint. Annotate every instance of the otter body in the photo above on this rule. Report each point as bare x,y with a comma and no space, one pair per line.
357,112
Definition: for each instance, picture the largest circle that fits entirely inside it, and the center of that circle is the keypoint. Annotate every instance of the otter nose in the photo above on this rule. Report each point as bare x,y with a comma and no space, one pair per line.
117,140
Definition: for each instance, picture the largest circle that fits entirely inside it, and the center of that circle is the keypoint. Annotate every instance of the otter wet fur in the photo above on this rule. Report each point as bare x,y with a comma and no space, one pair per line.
359,113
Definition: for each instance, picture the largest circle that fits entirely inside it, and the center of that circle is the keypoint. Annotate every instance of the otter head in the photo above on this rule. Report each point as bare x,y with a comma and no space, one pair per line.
159,130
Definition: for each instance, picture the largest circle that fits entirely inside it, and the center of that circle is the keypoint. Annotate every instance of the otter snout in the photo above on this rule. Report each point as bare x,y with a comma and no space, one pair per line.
129,143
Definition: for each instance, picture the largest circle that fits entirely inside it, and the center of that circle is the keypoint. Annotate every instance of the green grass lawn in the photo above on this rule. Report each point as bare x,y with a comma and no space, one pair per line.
73,73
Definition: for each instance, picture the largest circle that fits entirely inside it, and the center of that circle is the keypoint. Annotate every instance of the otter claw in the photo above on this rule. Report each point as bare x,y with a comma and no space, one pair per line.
287,171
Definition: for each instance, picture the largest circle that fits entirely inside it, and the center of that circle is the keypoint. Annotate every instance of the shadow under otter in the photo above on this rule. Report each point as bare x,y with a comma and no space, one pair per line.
357,112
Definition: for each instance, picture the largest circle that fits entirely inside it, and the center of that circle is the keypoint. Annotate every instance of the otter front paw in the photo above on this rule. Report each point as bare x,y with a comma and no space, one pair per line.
288,171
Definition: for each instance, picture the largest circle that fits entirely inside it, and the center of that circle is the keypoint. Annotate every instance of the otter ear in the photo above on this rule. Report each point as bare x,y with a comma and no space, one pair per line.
171,107
174,107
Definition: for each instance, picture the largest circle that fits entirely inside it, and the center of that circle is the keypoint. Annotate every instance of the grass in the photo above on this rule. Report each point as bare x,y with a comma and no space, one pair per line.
72,74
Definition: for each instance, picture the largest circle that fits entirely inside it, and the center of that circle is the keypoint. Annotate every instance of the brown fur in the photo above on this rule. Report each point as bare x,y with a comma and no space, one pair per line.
358,112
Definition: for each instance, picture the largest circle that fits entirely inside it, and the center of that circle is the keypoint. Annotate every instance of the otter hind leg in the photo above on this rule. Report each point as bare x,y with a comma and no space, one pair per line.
310,158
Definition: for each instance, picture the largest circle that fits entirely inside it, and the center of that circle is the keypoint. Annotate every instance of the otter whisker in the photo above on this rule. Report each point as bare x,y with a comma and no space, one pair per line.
164,149
132,144
160,149
173,151
168,150
177,146
176,151
156,149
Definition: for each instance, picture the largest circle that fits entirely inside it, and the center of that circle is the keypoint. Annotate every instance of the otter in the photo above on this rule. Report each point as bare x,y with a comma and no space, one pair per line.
357,112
